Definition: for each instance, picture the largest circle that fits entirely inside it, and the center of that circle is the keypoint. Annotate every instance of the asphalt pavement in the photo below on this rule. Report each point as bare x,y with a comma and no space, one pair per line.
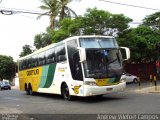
49,107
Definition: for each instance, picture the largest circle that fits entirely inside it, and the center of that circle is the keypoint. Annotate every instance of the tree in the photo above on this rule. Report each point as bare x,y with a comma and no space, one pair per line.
153,20
65,11
7,67
56,8
42,40
142,42
98,22
53,8
102,22
26,50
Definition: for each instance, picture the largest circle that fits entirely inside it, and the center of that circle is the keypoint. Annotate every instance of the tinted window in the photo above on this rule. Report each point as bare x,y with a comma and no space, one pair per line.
20,65
60,53
50,56
73,56
41,58
34,60
29,62
56,54
24,64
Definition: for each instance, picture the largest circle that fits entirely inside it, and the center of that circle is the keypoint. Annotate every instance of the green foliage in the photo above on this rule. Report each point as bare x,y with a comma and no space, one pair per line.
42,40
59,36
53,8
72,26
142,42
98,22
26,50
7,67
102,22
153,21
57,8
119,22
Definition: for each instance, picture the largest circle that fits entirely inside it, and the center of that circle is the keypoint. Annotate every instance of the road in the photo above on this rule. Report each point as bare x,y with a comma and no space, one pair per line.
127,102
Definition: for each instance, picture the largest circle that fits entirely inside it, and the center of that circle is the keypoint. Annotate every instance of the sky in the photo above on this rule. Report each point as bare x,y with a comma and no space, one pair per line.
19,29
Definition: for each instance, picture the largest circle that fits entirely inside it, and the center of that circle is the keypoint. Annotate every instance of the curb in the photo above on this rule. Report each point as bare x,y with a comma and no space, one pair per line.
148,90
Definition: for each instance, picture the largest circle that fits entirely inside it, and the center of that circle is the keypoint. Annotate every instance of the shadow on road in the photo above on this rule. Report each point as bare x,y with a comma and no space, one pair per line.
91,99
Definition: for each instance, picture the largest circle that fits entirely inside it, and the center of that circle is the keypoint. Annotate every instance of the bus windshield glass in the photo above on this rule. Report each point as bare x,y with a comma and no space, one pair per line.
98,42
103,58
103,63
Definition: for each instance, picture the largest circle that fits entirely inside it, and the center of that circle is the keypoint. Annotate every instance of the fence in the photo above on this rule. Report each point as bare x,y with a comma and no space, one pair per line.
143,70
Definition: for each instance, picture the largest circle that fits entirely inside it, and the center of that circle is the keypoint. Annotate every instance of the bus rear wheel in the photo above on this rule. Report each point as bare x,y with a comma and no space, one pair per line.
30,91
65,92
26,89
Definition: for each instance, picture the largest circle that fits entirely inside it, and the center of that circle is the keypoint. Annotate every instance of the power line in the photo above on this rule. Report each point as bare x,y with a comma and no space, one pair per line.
16,9
129,5
11,11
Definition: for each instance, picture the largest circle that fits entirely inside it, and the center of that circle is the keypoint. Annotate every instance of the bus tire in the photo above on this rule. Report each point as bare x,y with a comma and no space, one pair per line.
30,91
26,89
65,92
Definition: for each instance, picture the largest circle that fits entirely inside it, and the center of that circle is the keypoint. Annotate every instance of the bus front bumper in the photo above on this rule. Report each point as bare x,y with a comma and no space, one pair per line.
101,90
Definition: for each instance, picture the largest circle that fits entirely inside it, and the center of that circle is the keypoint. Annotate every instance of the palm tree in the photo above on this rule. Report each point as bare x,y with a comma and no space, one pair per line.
53,7
57,8
65,10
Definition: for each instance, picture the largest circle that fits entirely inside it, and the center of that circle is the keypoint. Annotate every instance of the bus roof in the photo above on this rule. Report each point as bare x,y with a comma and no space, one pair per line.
61,42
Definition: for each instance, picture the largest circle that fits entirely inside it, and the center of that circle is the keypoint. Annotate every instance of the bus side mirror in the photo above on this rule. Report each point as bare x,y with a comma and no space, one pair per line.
82,54
127,53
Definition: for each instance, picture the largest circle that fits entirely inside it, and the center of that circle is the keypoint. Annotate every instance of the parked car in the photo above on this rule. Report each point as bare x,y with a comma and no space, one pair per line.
129,78
5,86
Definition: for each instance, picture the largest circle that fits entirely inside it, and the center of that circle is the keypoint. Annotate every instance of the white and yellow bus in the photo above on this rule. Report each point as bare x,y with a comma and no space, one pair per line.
76,66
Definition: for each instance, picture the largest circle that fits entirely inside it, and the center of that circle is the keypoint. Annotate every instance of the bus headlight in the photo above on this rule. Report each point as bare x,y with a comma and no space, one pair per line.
91,83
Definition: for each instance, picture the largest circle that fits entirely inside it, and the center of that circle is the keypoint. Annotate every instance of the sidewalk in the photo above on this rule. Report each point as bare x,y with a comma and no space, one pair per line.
14,87
145,87
151,89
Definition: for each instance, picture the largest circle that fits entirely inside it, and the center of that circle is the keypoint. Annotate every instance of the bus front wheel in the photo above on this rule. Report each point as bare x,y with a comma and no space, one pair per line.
65,92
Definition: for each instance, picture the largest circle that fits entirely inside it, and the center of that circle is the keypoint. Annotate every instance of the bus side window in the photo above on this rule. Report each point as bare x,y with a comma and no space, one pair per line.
41,58
60,53
24,64
29,62
50,56
20,65
34,61
73,56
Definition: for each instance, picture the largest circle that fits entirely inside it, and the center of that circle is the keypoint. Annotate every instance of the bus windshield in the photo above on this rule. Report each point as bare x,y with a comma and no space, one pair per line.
103,58
103,63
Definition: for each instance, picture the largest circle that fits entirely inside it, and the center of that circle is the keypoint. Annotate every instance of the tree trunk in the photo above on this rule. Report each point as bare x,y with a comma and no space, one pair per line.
62,14
52,18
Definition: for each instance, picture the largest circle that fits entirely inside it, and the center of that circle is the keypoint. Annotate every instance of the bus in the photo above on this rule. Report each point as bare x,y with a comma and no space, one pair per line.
77,66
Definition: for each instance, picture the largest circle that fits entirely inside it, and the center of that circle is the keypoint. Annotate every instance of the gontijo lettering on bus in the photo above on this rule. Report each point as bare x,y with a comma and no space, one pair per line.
32,72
